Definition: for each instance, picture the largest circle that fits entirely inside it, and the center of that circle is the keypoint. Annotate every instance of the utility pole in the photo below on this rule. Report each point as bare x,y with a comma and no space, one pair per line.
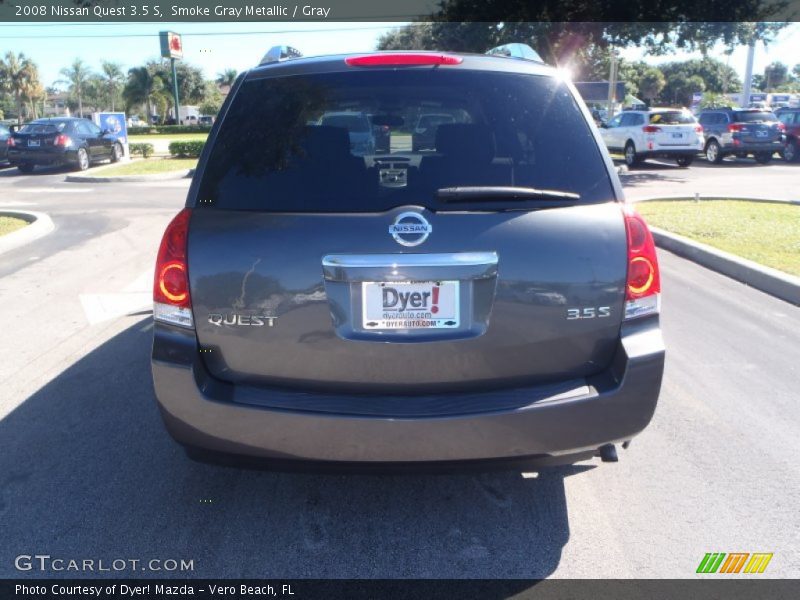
748,73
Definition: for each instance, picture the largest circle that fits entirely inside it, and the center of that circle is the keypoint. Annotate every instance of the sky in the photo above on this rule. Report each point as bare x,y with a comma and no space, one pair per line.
218,46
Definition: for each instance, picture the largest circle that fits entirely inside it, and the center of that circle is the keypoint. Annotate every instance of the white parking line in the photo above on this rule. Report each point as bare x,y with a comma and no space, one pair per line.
134,297
54,190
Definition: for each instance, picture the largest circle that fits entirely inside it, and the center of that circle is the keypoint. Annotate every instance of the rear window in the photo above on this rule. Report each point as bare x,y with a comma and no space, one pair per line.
286,146
753,116
356,122
44,127
676,117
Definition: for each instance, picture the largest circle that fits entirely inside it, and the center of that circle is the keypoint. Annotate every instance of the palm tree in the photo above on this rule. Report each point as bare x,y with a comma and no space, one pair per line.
113,77
17,74
226,78
143,87
76,76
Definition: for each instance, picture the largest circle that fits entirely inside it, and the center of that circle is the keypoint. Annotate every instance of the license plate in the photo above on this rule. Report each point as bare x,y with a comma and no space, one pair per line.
33,143
410,305
761,134
677,135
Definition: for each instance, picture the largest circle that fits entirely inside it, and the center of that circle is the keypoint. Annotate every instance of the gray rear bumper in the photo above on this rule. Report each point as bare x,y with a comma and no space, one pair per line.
200,412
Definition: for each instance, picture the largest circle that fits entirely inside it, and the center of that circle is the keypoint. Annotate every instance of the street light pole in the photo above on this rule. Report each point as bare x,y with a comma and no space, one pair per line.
612,84
748,74
175,91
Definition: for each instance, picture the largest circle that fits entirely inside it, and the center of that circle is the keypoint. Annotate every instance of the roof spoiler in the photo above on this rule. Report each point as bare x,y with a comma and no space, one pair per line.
279,54
521,51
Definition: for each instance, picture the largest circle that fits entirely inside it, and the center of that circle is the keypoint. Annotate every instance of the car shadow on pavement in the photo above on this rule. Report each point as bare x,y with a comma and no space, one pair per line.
88,471
11,171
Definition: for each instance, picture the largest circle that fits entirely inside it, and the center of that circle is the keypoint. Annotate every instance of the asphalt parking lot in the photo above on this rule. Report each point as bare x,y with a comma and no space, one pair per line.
87,470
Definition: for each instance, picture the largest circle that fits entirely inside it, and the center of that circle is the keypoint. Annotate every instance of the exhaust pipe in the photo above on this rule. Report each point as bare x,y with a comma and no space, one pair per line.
608,453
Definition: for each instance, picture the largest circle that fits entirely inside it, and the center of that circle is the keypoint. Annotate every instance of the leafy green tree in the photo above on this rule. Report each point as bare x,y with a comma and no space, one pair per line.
775,75
714,100
18,75
715,76
77,76
651,83
558,30
113,80
226,77
191,83
213,99
144,87
680,88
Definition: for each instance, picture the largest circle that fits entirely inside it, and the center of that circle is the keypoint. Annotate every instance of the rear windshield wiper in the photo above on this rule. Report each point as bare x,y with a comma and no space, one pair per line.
498,193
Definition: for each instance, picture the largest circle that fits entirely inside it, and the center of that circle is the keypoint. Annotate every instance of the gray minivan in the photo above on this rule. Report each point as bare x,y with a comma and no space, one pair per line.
490,299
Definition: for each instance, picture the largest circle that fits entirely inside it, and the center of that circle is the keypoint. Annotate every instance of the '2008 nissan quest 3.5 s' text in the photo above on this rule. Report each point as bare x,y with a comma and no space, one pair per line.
487,297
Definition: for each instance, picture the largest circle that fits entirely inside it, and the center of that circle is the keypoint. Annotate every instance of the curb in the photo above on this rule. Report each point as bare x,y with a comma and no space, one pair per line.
773,282
40,225
180,174
707,197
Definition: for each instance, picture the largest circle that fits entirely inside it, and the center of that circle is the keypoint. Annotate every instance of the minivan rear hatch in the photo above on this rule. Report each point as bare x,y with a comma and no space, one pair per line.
496,257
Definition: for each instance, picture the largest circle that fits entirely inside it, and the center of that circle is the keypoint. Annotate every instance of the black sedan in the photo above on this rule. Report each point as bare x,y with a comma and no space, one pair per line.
61,141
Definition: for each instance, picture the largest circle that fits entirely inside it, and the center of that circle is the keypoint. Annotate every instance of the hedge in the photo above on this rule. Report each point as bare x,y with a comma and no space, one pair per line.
167,129
186,149
146,150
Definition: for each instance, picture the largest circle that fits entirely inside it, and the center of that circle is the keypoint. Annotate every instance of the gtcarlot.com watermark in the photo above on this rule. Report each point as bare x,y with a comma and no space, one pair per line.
45,563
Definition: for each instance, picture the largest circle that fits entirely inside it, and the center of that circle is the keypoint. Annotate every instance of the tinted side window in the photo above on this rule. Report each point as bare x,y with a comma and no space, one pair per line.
303,143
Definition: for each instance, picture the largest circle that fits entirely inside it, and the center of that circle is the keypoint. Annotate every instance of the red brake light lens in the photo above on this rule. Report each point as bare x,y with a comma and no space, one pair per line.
781,127
399,59
643,275
651,129
734,127
698,128
171,279
62,140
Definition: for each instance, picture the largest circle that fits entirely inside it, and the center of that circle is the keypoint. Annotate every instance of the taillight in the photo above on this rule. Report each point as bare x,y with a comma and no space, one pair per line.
398,59
63,140
643,285
651,129
698,128
735,127
10,142
171,300
781,127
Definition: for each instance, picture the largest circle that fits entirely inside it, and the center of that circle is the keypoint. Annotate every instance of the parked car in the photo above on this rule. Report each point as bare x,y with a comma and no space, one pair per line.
658,132
424,135
741,132
206,120
496,300
358,127
5,133
790,118
62,141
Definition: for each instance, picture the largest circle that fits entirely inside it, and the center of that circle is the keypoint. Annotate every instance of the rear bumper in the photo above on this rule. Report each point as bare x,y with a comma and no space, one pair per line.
753,148
202,413
670,152
17,157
